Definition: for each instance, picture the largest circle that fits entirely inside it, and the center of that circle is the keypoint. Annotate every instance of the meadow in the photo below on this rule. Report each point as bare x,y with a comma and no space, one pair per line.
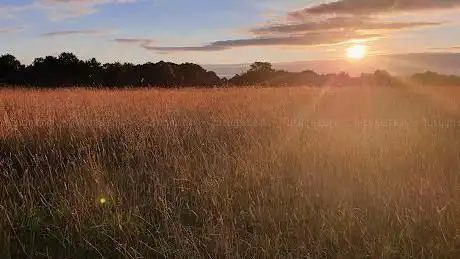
357,172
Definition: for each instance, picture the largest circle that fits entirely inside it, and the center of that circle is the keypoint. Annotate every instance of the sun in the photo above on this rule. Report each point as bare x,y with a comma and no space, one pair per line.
356,52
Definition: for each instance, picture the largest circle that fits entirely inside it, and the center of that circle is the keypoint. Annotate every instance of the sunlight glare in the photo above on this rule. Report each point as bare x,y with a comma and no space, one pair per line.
356,52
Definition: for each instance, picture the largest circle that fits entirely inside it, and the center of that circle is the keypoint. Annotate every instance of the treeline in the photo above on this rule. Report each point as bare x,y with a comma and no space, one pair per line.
261,73
67,70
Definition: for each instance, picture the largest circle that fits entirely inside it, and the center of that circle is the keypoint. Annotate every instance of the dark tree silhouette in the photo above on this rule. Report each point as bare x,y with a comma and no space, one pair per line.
10,70
93,73
261,67
67,70
432,78
259,73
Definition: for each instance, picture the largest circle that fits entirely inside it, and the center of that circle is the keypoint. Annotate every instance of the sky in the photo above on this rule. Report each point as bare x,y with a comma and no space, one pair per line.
223,31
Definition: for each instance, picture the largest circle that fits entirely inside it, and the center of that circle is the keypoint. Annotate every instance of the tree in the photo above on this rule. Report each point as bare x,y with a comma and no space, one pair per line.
66,58
120,75
195,75
10,70
261,67
258,73
383,78
93,71
44,72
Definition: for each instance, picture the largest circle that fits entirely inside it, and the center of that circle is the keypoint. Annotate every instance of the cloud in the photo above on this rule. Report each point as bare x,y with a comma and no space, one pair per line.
65,13
68,9
51,2
351,16
9,11
447,48
10,30
60,9
77,32
375,6
135,40
340,23
309,39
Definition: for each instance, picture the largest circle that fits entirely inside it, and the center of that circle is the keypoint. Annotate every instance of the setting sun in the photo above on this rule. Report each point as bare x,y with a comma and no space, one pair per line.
356,52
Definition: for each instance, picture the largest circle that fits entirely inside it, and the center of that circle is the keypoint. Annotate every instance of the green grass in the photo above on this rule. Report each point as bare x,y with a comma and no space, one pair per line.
252,173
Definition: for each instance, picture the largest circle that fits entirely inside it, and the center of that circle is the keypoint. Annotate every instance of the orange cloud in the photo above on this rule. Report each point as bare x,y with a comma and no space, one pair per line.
367,7
308,39
340,23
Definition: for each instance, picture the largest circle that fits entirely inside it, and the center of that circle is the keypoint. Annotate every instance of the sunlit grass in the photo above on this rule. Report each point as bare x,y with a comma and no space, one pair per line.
253,173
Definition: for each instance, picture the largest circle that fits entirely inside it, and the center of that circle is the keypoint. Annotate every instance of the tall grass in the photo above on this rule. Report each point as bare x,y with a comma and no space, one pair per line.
253,173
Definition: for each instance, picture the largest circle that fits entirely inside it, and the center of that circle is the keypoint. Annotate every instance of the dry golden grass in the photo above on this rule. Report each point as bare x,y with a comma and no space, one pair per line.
253,173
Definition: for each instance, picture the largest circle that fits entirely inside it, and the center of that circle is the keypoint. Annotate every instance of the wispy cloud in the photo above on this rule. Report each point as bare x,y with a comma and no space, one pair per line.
53,2
10,29
309,39
60,9
447,48
77,32
68,9
375,6
9,11
340,23
351,16
134,40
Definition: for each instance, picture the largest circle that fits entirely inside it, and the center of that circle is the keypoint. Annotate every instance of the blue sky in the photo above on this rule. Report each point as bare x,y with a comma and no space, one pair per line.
224,32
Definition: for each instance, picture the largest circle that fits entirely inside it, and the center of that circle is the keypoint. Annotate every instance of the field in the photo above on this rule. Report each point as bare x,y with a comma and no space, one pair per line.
359,172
